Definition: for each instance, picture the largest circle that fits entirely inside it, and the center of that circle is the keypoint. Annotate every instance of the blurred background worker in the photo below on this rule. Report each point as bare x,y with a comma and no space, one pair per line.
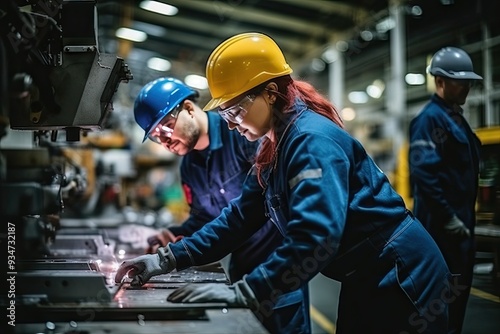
444,166
338,212
214,165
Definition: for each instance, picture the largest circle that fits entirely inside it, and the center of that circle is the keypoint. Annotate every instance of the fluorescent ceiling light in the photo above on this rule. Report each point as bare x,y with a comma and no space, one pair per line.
159,7
317,65
376,89
358,97
348,114
196,81
131,34
159,64
385,25
414,79
330,55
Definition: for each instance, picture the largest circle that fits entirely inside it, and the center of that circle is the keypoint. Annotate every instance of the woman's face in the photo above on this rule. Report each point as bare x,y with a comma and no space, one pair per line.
251,115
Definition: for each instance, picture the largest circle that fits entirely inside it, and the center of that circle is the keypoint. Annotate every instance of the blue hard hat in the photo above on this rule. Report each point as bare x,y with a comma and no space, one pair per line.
453,63
158,98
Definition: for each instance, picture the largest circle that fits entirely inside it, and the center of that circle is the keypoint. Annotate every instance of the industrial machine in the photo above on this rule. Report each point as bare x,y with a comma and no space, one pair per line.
57,86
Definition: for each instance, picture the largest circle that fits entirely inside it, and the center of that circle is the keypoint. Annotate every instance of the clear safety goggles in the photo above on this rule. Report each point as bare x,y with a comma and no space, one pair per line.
162,132
236,113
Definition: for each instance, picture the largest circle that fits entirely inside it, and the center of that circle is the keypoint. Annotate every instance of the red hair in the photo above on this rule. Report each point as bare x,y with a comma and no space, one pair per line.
289,90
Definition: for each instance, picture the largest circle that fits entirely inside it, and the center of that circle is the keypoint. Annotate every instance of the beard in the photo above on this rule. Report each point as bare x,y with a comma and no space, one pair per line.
191,135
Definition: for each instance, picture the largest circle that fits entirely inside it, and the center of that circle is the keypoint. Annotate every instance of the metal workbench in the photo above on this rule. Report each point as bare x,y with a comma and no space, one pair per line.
74,292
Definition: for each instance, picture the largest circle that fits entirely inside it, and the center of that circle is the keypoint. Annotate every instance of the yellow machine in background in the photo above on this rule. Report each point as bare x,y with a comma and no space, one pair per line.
488,199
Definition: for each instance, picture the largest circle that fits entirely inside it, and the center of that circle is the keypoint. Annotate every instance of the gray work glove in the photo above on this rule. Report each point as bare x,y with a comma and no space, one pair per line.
456,227
238,294
142,268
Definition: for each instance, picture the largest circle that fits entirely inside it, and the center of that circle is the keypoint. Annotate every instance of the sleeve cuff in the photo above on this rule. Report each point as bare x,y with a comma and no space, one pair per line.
167,259
245,294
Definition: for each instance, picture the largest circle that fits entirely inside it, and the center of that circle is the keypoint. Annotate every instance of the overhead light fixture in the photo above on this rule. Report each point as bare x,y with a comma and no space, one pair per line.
196,81
159,7
385,25
376,89
366,35
415,79
317,65
348,114
159,64
358,97
131,34
330,55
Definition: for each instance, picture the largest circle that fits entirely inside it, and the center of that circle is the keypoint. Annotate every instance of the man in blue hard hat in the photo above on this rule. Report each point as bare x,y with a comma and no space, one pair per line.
444,168
214,165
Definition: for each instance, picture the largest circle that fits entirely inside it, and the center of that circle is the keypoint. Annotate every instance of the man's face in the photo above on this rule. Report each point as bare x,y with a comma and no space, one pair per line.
177,134
455,91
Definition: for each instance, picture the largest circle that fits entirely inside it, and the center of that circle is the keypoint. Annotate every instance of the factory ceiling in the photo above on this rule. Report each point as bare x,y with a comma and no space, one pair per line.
302,28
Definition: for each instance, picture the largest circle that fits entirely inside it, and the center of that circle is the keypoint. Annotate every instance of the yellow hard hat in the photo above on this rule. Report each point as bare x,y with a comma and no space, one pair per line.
241,63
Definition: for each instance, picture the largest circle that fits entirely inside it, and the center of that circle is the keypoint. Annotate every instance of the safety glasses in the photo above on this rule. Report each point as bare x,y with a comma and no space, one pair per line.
236,113
162,133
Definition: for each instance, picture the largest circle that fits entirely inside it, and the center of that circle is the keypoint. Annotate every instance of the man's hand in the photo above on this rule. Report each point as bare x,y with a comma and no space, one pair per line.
161,240
238,294
202,293
142,268
456,227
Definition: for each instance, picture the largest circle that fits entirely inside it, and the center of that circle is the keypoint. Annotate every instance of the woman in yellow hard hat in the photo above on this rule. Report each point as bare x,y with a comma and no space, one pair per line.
336,209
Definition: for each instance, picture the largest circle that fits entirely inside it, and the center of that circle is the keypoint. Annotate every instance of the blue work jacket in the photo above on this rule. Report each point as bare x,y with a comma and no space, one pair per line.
444,166
211,179
327,196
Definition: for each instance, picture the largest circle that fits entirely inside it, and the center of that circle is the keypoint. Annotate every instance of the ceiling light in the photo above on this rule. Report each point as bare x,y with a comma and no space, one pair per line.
366,35
317,65
342,46
376,89
131,34
358,97
385,25
414,79
330,55
159,64
159,7
348,114
196,81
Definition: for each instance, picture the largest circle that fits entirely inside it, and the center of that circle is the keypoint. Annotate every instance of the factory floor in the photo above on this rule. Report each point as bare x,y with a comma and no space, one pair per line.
482,315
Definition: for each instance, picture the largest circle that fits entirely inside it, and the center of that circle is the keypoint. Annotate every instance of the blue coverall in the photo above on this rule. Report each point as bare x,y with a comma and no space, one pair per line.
444,168
211,179
328,196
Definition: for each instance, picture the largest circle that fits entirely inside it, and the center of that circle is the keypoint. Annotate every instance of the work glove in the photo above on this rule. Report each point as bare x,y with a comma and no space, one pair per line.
238,294
456,227
142,268
161,240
